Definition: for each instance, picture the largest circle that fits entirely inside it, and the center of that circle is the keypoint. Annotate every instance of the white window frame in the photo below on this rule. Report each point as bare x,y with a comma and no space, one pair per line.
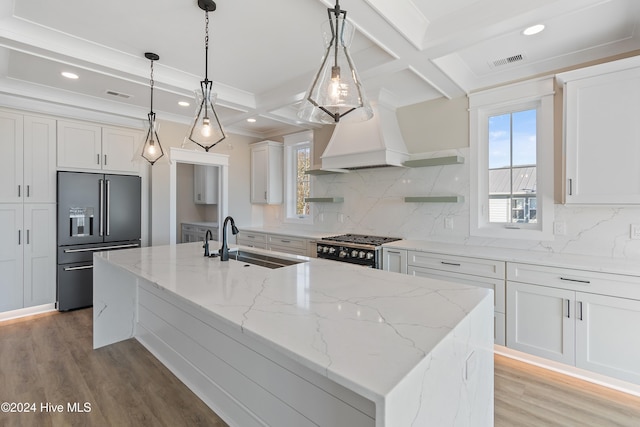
292,142
538,94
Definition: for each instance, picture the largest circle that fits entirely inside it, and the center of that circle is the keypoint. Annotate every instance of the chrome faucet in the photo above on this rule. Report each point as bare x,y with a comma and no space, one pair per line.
207,236
224,250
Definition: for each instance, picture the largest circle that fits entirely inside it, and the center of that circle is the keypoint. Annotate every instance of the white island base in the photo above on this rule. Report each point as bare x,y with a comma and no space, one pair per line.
291,347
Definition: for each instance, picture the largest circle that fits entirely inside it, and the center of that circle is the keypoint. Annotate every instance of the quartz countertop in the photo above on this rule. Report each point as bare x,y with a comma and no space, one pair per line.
579,262
201,224
289,232
365,329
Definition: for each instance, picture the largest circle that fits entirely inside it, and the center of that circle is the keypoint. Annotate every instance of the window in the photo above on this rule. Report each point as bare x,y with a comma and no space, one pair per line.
512,161
298,159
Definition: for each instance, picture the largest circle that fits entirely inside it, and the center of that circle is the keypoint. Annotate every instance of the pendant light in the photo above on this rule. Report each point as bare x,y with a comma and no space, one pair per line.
336,92
206,130
151,149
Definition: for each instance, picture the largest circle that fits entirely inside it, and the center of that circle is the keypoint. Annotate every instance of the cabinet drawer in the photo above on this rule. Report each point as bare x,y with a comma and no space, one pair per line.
497,285
288,242
458,264
287,250
577,280
252,237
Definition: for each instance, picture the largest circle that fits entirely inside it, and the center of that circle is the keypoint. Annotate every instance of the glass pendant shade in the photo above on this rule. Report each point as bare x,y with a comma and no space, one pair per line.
335,92
206,130
151,149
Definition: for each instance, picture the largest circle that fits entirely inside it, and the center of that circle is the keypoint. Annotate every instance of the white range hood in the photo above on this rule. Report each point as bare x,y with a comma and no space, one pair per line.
374,143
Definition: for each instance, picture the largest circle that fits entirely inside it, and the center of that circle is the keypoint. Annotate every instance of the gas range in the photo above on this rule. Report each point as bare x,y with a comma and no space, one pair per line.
353,248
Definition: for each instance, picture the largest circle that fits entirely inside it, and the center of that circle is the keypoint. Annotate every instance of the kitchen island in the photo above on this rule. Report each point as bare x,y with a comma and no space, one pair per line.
315,343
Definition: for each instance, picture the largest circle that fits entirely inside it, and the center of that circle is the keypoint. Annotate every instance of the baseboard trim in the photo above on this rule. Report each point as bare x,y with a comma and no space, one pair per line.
29,311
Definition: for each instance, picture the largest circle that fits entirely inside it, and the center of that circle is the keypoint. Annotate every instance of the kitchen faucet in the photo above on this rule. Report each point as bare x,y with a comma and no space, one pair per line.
224,250
207,236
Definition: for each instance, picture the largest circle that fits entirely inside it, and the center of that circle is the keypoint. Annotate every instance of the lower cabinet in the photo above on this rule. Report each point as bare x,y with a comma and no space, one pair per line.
589,330
251,239
287,244
480,272
27,255
197,233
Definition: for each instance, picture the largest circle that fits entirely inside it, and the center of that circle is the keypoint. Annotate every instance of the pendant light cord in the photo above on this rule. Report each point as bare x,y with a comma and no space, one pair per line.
206,46
151,82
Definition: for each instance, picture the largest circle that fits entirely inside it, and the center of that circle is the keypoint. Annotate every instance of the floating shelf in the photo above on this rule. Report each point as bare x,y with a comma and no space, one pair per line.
325,171
324,199
434,199
434,161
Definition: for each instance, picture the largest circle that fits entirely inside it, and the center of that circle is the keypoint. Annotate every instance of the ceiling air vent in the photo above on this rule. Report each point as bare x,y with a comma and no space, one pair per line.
508,60
118,94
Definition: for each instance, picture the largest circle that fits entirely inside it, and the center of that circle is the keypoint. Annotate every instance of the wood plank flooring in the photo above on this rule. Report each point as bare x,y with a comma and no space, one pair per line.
49,358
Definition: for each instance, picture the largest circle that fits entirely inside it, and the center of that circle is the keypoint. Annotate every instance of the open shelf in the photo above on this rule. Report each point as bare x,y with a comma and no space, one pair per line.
434,161
325,171
434,199
324,199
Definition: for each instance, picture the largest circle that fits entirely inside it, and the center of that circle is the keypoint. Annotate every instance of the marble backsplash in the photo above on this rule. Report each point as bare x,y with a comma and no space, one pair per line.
374,204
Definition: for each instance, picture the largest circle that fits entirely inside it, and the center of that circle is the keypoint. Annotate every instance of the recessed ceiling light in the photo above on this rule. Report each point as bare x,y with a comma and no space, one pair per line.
183,103
69,75
251,120
534,29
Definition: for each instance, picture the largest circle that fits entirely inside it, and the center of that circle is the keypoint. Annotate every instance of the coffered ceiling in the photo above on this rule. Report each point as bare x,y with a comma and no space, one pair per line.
263,53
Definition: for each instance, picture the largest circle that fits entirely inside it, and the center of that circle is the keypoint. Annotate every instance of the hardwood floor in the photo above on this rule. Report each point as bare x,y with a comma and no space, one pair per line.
49,359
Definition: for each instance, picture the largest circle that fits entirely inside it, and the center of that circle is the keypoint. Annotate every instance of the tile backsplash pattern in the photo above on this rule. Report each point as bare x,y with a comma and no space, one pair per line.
374,204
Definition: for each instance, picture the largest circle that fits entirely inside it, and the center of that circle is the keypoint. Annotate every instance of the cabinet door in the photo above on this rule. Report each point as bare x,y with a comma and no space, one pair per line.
540,321
602,138
119,149
394,260
607,341
79,145
11,157
39,160
11,257
205,184
259,174
39,254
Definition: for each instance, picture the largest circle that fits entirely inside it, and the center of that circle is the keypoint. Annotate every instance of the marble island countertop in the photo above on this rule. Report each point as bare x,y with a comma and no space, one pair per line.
367,330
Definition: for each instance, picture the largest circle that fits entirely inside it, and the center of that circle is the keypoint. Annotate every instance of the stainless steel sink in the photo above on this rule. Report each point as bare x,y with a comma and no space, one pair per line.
262,260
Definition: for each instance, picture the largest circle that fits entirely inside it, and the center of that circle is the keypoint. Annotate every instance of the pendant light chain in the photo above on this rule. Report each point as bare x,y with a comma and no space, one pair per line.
206,46
151,83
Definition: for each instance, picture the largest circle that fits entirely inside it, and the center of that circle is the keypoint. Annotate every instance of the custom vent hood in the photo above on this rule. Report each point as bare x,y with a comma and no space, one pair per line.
374,143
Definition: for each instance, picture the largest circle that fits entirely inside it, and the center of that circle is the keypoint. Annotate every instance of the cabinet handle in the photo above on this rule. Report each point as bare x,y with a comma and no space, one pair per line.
28,191
265,195
566,279
580,310
19,188
455,264
105,159
568,309
285,241
570,187
97,159
19,237
27,236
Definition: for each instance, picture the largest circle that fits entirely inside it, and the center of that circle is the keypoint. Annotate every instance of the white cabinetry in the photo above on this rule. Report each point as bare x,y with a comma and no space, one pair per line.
27,159
266,172
576,317
484,273
27,211
394,260
27,255
197,233
88,146
287,244
252,239
602,133
205,185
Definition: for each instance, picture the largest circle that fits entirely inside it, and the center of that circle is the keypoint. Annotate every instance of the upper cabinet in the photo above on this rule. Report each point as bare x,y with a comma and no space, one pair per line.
602,133
88,146
27,159
266,172
205,185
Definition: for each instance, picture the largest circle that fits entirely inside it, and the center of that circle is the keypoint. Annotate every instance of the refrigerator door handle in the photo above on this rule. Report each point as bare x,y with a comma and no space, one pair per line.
101,248
100,208
82,267
108,207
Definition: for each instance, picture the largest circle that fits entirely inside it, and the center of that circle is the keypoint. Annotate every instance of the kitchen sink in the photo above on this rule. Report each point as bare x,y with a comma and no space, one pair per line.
262,260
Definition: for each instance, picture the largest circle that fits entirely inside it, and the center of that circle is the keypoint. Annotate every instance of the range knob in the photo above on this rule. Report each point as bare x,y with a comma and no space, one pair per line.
319,249
362,254
354,254
325,249
343,254
370,255
332,250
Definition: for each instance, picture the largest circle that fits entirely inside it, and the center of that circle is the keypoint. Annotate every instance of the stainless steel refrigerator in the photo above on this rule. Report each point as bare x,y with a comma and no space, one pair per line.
96,212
